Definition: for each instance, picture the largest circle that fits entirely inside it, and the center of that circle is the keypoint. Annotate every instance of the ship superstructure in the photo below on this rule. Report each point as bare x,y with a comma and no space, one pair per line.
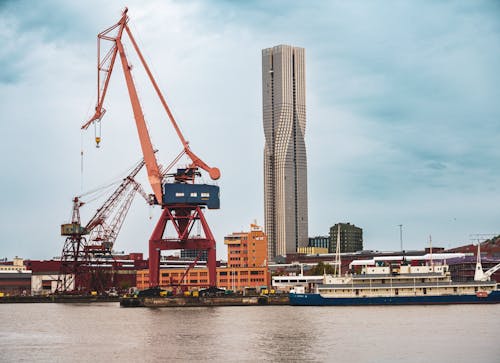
397,280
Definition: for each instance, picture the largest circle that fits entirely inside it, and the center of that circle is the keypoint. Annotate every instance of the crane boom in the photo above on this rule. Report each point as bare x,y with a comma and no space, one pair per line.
119,218
103,232
106,65
103,212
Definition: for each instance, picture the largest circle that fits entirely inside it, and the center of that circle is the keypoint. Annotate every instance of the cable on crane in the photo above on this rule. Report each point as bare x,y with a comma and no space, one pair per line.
81,161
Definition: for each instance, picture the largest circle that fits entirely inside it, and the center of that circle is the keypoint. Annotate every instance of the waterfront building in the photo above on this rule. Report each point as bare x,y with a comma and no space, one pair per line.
351,237
320,241
285,161
235,279
119,273
246,266
14,278
247,249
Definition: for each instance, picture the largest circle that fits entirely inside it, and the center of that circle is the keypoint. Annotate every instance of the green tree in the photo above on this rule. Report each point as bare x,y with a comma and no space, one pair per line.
321,268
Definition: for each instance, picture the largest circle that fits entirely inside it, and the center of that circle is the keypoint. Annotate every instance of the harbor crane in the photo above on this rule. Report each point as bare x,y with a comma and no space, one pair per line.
80,254
181,199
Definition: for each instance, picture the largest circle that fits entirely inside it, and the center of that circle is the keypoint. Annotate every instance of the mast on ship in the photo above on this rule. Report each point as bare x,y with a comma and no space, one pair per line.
337,269
430,246
479,274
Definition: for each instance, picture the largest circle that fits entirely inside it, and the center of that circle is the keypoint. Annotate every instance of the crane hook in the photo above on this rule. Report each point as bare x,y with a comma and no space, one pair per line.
97,133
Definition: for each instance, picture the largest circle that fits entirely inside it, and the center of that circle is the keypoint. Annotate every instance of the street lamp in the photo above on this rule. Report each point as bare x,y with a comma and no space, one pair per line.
401,236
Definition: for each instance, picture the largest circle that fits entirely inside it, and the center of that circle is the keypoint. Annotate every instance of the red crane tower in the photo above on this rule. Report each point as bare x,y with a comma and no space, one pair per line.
81,258
182,200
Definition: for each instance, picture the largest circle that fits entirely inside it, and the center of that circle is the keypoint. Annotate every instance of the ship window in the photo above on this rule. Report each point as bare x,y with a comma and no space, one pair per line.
205,195
193,194
179,194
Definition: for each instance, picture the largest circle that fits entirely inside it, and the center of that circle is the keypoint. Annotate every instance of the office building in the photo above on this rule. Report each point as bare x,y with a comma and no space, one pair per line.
351,238
320,241
285,161
247,249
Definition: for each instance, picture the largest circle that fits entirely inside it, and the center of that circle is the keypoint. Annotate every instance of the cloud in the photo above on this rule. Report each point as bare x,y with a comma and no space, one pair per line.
402,103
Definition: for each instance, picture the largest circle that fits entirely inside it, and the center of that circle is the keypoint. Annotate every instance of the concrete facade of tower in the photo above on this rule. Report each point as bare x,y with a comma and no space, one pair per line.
285,160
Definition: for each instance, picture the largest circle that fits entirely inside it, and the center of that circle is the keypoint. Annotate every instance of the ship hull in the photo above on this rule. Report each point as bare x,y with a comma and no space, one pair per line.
318,300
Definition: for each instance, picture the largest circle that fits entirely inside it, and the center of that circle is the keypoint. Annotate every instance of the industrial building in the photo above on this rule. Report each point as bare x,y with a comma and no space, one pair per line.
15,279
349,236
119,273
246,266
235,279
285,160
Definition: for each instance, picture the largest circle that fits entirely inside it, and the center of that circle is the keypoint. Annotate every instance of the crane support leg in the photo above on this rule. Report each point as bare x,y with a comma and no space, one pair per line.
182,218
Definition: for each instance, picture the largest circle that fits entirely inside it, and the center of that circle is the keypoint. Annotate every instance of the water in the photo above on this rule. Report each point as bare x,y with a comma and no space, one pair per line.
107,333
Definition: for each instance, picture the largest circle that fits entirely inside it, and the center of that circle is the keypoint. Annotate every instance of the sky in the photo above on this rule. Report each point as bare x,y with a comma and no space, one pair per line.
403,114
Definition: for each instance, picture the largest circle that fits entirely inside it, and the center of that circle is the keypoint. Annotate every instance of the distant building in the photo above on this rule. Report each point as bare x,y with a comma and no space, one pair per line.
312,250
247,249
285,160
351,238
320,241
14,278
17,264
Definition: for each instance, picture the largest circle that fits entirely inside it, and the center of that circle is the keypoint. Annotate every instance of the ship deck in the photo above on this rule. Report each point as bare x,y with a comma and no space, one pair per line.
491,284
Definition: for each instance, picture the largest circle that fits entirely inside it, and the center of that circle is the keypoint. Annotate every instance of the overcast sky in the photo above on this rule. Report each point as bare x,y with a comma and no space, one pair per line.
403,114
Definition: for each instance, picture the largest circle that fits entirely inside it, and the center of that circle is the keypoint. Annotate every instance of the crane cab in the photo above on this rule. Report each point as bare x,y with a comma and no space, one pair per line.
72,229
193,194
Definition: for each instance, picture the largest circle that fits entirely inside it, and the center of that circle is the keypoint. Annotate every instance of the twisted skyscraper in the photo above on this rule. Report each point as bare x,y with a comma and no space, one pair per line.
285,160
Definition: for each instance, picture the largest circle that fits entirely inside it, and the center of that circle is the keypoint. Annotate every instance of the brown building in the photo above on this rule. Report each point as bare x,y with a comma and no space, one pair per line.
247,249
246,266
236,279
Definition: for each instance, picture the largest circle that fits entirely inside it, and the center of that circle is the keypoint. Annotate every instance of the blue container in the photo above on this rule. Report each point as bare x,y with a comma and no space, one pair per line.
194,194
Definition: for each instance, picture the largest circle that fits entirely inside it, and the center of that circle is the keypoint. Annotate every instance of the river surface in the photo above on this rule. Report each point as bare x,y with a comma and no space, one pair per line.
104,332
